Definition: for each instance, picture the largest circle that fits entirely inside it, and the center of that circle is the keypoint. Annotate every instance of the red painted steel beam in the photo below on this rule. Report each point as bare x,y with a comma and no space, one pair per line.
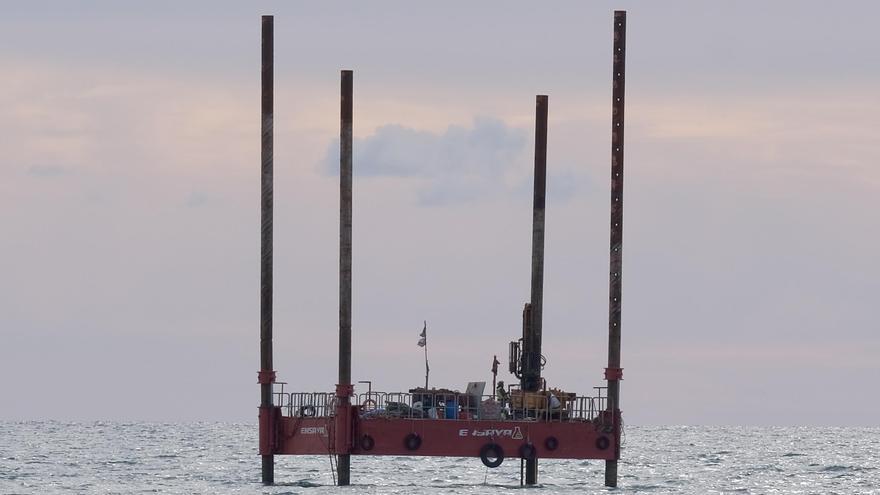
270,430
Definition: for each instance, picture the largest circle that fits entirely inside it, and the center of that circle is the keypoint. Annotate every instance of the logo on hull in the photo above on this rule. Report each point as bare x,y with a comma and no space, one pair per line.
313,430
514,433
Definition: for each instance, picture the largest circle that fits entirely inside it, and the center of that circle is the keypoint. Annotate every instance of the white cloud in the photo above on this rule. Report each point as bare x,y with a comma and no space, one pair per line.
458,164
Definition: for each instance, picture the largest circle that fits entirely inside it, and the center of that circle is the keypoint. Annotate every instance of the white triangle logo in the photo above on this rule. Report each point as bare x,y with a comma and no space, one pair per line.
517,433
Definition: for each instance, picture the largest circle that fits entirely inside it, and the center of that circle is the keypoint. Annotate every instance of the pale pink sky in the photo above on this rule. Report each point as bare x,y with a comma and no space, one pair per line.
129,203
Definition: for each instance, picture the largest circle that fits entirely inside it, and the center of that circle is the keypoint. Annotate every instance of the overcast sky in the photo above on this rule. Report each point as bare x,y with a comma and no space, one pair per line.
129,203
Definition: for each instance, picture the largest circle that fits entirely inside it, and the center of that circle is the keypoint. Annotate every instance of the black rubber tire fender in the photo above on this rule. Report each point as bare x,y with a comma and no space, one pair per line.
551,443
492,450
603,442
412,441
367,443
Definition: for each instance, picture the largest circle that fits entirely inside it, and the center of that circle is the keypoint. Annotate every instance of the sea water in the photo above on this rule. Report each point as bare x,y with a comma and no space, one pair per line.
127,458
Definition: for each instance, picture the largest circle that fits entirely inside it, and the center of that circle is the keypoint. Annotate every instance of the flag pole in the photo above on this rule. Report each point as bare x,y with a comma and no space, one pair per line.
495,364
427,368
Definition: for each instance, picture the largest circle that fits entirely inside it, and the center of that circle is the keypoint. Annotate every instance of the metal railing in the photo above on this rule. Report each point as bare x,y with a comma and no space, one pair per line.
452,406
449,406
306,404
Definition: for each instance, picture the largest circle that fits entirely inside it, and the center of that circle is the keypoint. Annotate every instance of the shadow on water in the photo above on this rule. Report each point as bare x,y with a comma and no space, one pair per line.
460,486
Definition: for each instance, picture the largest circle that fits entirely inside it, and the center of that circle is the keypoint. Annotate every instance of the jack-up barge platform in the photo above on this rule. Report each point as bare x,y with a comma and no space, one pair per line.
531,423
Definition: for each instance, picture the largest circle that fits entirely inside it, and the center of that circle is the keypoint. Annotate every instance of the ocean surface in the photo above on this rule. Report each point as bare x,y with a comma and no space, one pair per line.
105,457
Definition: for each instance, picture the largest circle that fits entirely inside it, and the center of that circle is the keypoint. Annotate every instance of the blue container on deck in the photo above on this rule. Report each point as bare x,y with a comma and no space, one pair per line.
451,409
